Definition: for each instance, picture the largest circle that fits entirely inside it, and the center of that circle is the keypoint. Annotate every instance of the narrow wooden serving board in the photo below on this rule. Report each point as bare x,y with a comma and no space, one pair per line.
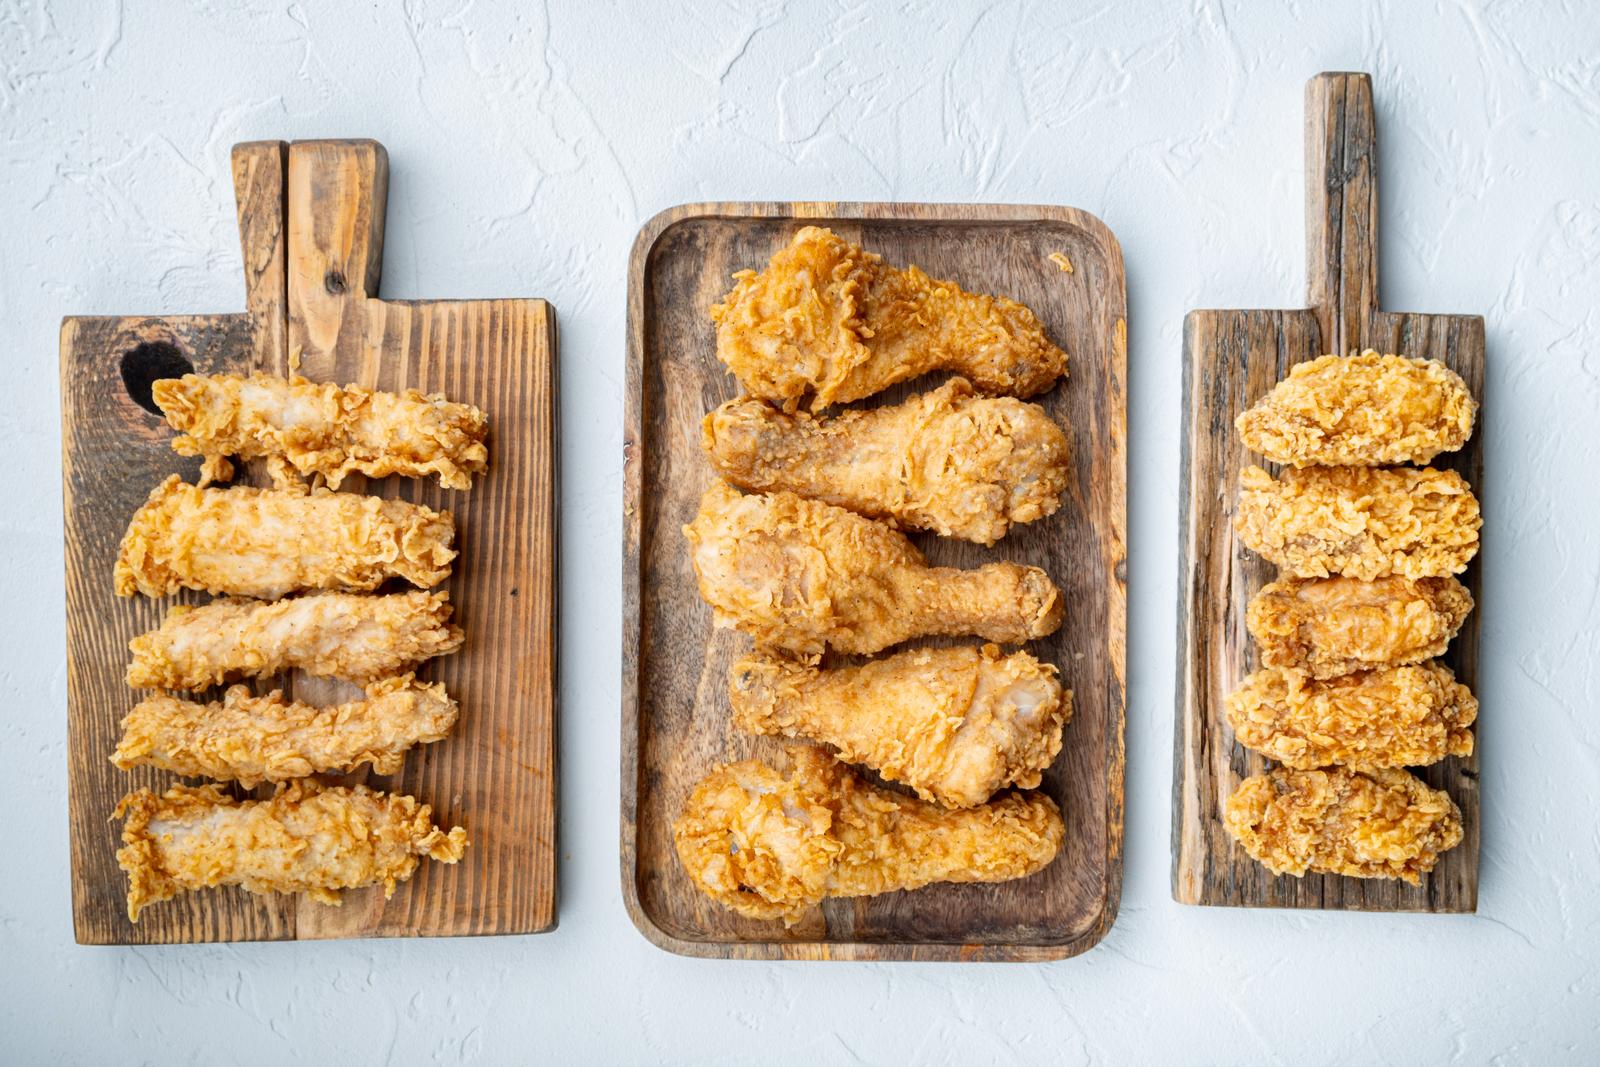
1231,359
674,688
311,222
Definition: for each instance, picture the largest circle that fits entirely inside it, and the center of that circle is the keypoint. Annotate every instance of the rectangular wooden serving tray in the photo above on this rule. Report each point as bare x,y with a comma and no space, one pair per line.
674,665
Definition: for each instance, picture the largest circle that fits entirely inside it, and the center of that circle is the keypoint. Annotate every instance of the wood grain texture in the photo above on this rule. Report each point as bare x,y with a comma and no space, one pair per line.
674,690
496,773
1232,359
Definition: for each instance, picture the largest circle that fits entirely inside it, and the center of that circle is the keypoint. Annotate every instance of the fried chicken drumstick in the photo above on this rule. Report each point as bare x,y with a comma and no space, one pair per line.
954,724
358,638
268,542
771,847
321,428
1365,824
1396,717
802,576
947,460
252,739
1365,411
1361,522
1332,626
307,838
832,321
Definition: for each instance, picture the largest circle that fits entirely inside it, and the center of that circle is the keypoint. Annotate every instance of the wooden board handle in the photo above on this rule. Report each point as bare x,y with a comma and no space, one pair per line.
1341,208
260,189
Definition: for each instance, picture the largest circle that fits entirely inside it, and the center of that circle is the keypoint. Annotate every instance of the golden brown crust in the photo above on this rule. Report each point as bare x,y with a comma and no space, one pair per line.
1332,626
1364,824
830,321
946,460
1368,410
1396,717
1360,522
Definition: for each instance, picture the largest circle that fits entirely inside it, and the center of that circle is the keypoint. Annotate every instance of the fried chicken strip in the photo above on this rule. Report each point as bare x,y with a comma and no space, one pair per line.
252,739
1365,411
770,847
954,724
1361,522
1332,626
268,542
1397,717
1365,824
361,639
802,576
832,321
321,428
308,838
949,461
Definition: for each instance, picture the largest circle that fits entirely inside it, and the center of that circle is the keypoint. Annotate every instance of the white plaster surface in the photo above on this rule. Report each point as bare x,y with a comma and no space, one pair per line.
527,146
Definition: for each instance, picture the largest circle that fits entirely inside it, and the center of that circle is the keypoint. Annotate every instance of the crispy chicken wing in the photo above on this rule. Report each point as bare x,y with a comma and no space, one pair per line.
829,320
1365,411
1395,717
947,460
1365,824
252,739
771,847
803,576
321,428
358,638
308,838
1332,626
268,542
954,724
1362,522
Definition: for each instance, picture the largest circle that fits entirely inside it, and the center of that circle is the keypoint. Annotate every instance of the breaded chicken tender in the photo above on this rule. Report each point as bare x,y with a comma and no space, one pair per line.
948,461
250,739
828,320
361,639
1361,522
1332,626
1395,717
954,724
321,428
268,542
306,839
1365,824
1363,411
771,847
804,576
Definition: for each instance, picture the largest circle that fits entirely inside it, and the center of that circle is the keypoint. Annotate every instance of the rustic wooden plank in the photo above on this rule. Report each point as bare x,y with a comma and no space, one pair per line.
675,709
1231,359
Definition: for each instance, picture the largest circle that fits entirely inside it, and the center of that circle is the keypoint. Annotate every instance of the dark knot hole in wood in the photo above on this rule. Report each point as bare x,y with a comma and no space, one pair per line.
334,282
149,362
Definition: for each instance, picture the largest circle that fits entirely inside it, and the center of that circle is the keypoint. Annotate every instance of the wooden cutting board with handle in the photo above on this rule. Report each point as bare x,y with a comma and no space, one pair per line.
1231,359
311,217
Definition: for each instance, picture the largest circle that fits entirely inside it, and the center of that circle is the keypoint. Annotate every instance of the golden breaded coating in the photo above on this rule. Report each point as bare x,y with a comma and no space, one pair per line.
306,839
252,739
803,576
268,542
1362,411
954,724
949,461
344,635
1395,717
321,428
1365,824
831,321
1361,522
771,847
1332,626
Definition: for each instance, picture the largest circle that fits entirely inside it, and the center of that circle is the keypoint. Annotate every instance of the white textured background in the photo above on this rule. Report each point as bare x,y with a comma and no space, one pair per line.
527,147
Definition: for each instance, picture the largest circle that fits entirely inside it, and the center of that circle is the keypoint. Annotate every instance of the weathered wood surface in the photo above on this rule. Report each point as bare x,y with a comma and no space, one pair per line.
311,224
675,704
1231,359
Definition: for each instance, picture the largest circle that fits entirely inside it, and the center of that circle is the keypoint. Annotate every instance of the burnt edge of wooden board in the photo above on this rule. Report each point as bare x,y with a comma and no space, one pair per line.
633,578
